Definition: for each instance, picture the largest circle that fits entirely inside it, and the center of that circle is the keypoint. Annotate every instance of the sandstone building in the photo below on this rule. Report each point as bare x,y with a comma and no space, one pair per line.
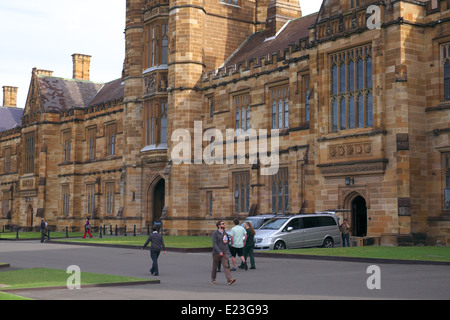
362,112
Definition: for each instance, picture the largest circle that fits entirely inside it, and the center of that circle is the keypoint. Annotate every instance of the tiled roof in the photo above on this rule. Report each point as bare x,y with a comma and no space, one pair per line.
59,94
9,118
111,91
257,46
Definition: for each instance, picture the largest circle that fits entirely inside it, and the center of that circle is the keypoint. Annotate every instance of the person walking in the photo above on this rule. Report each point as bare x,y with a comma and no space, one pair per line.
87,229
220,253
345,230
238,239
43,229
249,245
157,244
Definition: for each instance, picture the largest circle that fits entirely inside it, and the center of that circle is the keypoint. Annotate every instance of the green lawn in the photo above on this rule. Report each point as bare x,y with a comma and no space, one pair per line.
6,296
379,252
37,235
184,242
42,277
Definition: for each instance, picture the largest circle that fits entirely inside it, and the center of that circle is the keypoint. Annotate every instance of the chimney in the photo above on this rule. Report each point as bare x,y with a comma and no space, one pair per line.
10,96
81,66
279,12
43,72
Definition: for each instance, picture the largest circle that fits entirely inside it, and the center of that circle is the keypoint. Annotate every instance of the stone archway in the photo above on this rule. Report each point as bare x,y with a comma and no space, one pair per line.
357,206
359,217
155,200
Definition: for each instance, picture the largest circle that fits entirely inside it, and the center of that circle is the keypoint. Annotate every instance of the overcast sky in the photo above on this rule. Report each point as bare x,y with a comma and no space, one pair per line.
45,33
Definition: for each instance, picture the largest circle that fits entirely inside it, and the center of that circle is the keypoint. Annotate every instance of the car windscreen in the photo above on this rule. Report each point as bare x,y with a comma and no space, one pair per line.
256,222
274,224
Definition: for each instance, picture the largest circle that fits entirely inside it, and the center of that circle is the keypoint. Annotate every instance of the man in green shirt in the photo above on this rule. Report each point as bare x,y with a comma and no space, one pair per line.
238,239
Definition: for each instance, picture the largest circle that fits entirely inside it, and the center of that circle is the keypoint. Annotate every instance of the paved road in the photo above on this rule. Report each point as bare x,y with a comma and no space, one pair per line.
186,276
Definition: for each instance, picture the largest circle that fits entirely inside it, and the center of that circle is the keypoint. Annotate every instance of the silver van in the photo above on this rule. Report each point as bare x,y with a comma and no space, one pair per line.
299,231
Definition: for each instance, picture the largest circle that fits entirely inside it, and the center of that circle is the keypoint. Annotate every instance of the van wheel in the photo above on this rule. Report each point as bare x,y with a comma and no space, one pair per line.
279,245
328,243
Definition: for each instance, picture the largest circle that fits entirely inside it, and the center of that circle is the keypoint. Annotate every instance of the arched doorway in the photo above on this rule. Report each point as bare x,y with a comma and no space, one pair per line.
30,217
155,200
359,217
159,200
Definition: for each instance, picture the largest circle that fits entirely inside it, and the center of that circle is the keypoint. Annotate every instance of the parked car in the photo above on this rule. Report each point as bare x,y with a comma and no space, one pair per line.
258,221
299,231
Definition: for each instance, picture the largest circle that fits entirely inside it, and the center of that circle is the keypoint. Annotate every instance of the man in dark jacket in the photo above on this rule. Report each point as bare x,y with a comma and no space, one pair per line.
157,243
43,230
220,253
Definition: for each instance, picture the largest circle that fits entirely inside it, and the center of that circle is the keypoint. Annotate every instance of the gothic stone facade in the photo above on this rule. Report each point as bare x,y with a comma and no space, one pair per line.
362,115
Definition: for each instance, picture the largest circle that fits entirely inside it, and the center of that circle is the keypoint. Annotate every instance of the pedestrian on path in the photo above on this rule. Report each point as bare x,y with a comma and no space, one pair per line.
87,229
249,245
157,244
220,253
43,230
238,238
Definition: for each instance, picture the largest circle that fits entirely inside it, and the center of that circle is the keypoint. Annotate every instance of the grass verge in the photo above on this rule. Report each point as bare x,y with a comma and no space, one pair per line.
8,297
44,278
425,253
184,242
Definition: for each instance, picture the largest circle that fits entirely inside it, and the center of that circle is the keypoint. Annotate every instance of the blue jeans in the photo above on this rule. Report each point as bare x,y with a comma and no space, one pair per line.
344,238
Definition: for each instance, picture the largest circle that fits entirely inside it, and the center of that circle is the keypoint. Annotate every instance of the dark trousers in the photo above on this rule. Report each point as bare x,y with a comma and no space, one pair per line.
154,254
43,235
248,252
346,237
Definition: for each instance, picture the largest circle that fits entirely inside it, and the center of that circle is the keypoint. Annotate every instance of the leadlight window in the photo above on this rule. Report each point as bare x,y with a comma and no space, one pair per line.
280,191
235,2
90,190
155,121
242,111
307,91
92,141
279,97
446,165
351,89
111,139
65,199
29,152
241,188
66,144
446,69
5,203
110,197
157,43
7,159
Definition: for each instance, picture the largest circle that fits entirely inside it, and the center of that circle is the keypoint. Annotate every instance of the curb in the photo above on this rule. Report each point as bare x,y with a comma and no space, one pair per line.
350,259
117,284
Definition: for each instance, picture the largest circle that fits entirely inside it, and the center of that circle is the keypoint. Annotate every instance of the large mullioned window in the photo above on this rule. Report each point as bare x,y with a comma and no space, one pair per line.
351,89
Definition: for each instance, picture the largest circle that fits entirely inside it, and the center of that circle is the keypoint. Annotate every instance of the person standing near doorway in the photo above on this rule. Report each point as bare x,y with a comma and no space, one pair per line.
157,244
345,233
